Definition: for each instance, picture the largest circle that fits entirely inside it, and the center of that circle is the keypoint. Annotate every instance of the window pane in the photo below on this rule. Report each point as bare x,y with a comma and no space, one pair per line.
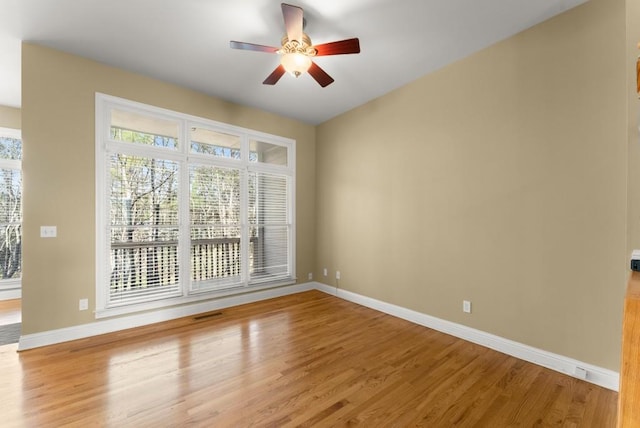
218,144
269,233
137,128
267,153
215,227
144,263
215,262
10,224
144,191
10,196
144,228
268,199
10,148
269,253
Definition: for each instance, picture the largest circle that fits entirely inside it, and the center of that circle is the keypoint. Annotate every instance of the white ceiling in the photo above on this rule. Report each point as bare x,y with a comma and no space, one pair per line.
187,42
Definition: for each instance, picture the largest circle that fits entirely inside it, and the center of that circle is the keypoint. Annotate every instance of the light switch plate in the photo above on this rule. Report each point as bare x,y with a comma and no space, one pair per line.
466,306
48,231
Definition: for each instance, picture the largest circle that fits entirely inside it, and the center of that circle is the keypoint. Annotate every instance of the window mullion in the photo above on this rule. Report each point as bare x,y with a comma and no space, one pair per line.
291,216
106,240
11,164
244,212
184,217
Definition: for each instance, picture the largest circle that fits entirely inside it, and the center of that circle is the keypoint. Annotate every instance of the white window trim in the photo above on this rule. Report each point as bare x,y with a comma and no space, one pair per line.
104,145
11,133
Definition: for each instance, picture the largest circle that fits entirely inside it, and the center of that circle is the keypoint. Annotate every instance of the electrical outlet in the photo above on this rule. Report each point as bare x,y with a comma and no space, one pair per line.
324,271
337,274
83,304
310,276
466,306
580,373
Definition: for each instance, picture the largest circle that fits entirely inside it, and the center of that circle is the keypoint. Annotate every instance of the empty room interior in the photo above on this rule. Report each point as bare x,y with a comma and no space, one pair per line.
375,213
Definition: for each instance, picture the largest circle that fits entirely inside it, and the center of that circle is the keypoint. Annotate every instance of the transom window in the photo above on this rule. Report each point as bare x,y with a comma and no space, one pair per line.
187,208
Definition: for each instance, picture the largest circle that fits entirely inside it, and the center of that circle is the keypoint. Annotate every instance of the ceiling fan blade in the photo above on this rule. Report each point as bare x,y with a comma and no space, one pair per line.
252,47
320,75
349,46
293,19
274,76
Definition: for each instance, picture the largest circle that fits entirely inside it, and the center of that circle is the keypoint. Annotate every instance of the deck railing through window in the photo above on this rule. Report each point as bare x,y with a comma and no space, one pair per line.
155,264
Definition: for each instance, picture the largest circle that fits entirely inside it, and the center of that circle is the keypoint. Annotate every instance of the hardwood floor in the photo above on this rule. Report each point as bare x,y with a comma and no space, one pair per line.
304,360
10,311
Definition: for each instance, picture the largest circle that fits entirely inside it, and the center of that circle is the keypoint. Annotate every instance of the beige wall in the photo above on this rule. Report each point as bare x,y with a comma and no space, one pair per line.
633,38
500,179
58,100
10,117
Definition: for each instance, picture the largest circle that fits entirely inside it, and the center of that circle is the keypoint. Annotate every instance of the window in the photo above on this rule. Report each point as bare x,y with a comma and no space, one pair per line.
10,208
187,208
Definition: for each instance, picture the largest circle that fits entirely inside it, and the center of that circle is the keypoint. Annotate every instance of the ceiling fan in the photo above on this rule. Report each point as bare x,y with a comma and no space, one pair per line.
296,50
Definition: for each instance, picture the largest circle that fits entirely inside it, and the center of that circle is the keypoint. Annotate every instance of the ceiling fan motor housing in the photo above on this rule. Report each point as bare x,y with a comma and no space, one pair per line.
303,46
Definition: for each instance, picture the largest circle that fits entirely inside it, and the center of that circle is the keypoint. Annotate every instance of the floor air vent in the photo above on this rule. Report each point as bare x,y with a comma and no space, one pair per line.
205,316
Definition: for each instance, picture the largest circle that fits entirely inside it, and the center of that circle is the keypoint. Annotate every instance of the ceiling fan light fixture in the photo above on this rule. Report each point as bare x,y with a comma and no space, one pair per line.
297,50
295,63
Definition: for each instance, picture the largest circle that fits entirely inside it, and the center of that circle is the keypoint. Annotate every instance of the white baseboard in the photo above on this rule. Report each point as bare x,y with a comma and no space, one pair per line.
596,375
51,337
14,293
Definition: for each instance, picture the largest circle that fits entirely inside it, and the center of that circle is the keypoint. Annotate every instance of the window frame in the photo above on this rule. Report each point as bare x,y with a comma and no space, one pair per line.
105,146
14,164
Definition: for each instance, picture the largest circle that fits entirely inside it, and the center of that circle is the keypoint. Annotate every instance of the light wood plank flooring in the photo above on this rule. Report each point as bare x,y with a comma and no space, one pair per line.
304,360
10,311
